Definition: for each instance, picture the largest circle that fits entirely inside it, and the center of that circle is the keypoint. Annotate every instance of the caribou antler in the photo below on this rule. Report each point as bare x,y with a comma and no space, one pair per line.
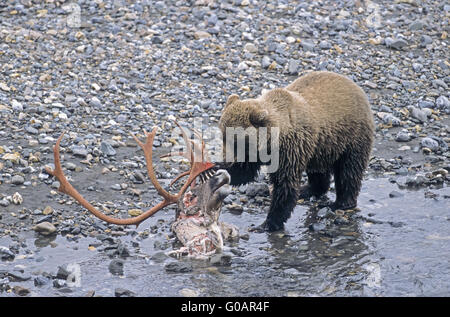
198,166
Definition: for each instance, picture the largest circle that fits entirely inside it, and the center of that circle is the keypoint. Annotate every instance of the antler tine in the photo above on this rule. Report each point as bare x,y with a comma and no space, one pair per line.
147,147
196,146
188,154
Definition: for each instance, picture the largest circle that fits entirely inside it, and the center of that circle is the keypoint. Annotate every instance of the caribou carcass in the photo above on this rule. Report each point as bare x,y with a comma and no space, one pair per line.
199,200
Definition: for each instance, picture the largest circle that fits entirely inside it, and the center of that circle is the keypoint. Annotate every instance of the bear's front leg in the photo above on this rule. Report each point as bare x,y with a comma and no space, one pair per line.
284,199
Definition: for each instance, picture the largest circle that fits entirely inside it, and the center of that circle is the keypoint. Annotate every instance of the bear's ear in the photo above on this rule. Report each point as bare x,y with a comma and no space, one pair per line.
231,99
259,117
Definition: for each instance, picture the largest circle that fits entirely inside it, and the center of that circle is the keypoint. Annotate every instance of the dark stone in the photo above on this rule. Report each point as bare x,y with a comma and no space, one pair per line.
116,267
395,194
62,273
220,259
257,189
122,292
178,267
21,291
41,280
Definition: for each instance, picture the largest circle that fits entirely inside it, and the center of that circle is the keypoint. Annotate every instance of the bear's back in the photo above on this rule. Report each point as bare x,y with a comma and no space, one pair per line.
333,98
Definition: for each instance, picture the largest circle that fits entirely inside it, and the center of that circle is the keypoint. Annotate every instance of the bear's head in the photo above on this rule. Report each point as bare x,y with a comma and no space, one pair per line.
244,124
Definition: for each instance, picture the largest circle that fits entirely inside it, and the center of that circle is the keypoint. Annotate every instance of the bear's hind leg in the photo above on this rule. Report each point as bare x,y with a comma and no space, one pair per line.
348,175
318,184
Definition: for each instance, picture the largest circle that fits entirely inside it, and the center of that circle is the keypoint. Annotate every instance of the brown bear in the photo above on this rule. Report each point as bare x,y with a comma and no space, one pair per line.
325,127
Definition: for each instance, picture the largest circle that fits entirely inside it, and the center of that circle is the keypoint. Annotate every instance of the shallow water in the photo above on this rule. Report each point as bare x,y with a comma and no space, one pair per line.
391,247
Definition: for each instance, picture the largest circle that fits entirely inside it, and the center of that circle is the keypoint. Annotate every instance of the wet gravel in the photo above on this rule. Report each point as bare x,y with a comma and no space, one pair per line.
101,69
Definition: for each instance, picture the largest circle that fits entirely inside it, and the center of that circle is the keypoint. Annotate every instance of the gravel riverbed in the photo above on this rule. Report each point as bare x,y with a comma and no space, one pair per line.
101,69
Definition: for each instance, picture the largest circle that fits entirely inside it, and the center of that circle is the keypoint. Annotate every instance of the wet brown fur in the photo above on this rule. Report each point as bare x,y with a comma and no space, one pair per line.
326,127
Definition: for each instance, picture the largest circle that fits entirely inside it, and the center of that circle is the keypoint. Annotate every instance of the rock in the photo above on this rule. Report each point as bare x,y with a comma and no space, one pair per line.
6,253
325,212
317,227
251,48
417,25
95,102
395,194
402,136
235,208
307,46
443,103
16,106
17,199
17,180
41,281
107,149
79,151
430,143
397,43
21,291
257,189
293,67
242,66
48,210
178,267
122,292
187,292
18,276
265,62
62,273
325,45
116,267
45,228
220,259
425,40
199,35
418,114
159,257
57,283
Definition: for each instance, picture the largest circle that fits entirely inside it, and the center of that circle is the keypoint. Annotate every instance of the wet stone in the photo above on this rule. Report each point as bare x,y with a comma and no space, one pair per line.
41,281
20,290
122,292
116,267
58,283
257,189
220,259
395,194
45,228
6,253
178,267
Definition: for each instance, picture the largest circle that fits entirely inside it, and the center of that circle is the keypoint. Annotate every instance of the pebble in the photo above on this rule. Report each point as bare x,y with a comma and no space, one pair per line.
45,228
220,259
178,267
107,149
6,253
397,43
430,143
251,48
17,180
20,290
257,189
122,292
116,267
402,136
